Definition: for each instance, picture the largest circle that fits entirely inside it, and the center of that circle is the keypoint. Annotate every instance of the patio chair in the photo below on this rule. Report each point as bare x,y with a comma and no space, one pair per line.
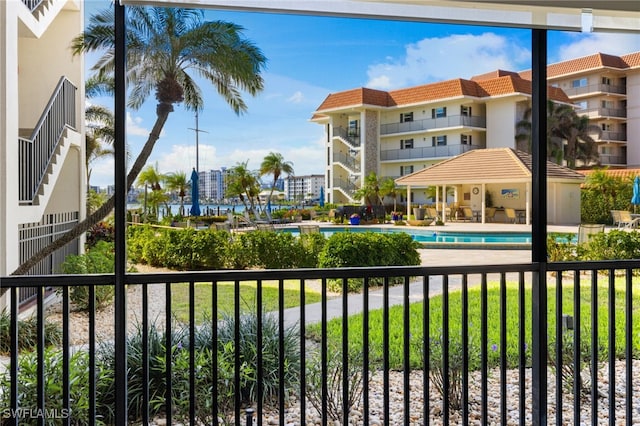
511,215
615,215
626,220
432,213
309,229
221,226
587,230
490,214
265,227
467,214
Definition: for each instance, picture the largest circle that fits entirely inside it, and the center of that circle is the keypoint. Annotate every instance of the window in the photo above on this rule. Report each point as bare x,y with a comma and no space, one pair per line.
465,139
405,170
607,104
406,117
606,127
439,141
353,128
439,112
606,80
582,82
465,110
581,105
406,143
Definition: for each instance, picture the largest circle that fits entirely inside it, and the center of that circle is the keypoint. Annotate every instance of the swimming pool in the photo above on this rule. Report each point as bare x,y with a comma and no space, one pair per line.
430,238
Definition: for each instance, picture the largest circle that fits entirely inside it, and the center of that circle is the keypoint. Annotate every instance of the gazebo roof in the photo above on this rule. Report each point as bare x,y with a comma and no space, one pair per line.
494,165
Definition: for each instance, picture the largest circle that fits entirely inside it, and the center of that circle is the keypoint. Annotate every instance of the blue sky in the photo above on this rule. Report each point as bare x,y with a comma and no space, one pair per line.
310,57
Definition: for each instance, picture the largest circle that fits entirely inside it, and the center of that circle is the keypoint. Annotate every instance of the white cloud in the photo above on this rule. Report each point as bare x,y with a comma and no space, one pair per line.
134,126
590,43
182,158
296,98
443,58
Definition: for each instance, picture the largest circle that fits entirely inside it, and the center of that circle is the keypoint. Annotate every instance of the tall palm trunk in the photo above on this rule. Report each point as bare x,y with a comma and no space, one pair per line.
162,112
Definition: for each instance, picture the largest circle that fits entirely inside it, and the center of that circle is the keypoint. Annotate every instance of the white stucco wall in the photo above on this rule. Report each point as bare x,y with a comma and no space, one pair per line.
501,119
633,119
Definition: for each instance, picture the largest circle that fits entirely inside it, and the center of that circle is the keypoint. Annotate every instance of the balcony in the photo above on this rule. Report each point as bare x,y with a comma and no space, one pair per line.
497,383
425,152
433,124
613,136
612,160
603,112
594,89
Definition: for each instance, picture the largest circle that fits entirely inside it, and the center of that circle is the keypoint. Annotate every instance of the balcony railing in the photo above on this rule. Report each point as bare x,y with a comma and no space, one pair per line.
613,136
351,163
603,112
595,88
36,153
607,159
425,152
347,186
586,312
434,123
350,136
32,4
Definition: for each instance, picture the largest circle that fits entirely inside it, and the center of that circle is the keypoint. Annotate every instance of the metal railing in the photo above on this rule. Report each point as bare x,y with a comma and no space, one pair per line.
434,123
425,152
35,154
32,4
351,138
350,163
476,317
608,135
595,88
603,112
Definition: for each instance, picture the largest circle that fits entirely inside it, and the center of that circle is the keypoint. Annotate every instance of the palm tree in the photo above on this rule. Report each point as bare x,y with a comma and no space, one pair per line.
370,191
150,178
580,144
274,164
244,184
178,182
99,133
556,114
166,49
389,188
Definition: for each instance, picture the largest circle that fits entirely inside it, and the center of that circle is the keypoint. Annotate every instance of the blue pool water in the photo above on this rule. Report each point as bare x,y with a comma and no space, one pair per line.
430,236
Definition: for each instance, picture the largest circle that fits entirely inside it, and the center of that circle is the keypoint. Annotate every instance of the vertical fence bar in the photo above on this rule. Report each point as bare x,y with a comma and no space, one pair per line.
92,355
406,352
484,390
577,345
345,351
465,349
66,387
612,347
628,334
281,354
236,345
559,349
446,385
503,348
522,350
192,352
40,355
214,356
13,369
385,349
145,354
426,342
168,355
323,351
594,347
365,351
260,358
303,358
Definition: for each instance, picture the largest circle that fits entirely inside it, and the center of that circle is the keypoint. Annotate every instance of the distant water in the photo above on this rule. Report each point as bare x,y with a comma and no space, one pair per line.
205,209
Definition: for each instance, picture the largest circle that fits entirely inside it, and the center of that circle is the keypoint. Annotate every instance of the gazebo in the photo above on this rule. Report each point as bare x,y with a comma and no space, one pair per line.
504,175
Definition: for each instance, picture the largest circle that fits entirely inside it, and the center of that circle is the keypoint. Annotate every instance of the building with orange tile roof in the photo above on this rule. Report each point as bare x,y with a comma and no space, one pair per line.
395,133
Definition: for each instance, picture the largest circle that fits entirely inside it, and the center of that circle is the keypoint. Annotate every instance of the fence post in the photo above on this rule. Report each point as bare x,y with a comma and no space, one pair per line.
249,412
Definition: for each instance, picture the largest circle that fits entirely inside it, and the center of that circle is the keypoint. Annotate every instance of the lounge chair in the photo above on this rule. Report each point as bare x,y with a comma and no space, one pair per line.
221,226
490,214
587,230
467,214
309,229
432,213
615,215
265,227
626,220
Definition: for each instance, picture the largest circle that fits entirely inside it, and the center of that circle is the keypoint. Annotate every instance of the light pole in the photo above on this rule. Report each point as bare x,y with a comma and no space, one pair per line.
198,131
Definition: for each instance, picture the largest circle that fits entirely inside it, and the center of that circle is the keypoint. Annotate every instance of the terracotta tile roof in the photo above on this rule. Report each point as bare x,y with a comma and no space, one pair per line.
485,166
500,86
623,174
493,74
587,63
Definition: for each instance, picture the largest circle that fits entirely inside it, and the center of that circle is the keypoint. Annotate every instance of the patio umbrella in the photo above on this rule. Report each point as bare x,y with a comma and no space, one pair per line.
195,194
635,200
321,196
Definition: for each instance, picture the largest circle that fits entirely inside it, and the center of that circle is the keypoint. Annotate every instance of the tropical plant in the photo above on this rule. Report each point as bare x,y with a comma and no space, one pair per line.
390,189
244,184
99,136
166,49
563,124
178,183
370,191
275,165
150,178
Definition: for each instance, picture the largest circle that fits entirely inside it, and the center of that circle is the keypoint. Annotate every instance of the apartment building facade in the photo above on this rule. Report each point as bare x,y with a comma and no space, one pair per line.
42,175
399,132
395,133
303,188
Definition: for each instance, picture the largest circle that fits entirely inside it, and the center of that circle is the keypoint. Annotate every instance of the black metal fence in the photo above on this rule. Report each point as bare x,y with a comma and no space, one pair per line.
462,355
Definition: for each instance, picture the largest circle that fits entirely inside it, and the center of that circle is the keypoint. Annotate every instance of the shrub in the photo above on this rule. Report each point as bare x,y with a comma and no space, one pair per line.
346,249
78,414
28,333
97,260
334,380
616,244
101,231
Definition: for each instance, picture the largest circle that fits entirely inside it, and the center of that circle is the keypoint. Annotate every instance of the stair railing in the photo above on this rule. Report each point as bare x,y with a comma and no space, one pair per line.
32,4
36,153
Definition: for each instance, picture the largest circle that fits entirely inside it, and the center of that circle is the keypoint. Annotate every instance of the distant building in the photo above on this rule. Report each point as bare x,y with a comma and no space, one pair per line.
300,188
212,184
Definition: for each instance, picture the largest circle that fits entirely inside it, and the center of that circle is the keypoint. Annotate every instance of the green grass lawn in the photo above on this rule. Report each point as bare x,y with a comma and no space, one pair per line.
226,293
355,324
